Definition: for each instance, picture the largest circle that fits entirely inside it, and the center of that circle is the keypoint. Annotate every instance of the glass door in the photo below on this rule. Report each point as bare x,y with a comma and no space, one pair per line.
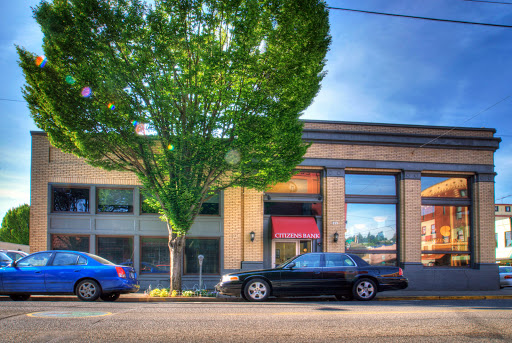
283,250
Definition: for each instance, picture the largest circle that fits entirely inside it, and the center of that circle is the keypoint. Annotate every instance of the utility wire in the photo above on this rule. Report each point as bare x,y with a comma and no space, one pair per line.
12,100
422,18
491,2
453,128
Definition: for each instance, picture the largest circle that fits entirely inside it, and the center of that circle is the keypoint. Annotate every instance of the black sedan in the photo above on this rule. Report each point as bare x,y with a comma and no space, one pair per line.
345,276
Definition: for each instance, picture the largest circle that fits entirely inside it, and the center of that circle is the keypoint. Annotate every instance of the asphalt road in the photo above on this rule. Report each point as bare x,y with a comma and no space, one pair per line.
278,321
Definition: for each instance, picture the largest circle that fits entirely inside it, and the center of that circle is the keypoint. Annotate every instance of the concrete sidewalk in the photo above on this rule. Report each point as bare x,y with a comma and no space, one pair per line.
505,293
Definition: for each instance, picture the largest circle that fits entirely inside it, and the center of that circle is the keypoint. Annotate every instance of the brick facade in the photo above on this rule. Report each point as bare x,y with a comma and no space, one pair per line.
337,148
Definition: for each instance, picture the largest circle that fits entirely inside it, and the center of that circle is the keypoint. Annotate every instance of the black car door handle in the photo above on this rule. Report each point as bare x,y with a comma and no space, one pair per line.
38,272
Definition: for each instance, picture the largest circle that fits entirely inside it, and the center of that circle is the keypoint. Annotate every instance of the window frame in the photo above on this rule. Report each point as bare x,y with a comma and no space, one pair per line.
98,212
88,237
370,199
52,203
455,203
140,256
218,239
115,236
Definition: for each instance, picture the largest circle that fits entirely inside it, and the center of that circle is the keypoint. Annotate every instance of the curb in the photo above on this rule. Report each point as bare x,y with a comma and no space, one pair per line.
142,298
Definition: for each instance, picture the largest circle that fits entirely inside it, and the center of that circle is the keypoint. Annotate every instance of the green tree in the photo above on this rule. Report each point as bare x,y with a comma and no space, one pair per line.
15,225
194,96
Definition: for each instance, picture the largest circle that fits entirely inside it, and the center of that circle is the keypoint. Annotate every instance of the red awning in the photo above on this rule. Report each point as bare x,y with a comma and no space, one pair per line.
294,228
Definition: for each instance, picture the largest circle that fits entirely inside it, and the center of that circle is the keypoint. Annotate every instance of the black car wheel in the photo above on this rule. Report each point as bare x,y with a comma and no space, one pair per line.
19,297
88,290
364,289
110,296
257,290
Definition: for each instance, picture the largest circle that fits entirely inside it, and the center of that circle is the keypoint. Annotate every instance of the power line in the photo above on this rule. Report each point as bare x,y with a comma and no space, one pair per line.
491,2
422,18
455,127
12,100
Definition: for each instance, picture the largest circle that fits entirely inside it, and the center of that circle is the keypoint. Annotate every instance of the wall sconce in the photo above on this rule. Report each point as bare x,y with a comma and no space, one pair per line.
253,235
336,237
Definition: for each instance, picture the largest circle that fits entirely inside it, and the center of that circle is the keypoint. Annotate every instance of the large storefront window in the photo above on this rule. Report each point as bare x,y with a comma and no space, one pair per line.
154,255
300,183
70,242
209,248
371,212
118,250
114,200
445,222
68,199
371,232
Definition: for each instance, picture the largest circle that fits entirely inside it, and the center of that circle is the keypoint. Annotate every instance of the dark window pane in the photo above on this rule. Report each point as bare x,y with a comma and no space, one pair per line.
371,227
445,260
211,206
115,200
444,187
70,199
301,183
356,184
293,208
209,248
154,255
68,242
447,228
65,259
118,250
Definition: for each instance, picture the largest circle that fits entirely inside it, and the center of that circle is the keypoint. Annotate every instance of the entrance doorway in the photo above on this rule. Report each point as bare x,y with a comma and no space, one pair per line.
282,250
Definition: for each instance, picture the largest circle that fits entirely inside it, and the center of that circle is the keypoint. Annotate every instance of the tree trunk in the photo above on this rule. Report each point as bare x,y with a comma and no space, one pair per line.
176,245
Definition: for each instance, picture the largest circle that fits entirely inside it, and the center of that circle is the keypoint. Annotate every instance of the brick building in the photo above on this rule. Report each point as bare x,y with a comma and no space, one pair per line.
503,226
421,197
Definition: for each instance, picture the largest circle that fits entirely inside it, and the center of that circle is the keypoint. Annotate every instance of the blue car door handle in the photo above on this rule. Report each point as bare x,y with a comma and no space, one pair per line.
38,272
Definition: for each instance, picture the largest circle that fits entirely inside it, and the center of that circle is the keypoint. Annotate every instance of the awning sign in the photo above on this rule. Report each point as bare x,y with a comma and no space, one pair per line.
294,228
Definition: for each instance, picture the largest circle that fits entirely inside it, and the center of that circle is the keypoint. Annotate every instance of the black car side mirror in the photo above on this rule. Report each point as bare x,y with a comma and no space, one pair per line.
291,265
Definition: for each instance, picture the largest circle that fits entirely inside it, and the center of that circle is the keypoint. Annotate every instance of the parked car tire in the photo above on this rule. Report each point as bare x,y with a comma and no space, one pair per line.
110,296
364,289
19,297
256,290
88,290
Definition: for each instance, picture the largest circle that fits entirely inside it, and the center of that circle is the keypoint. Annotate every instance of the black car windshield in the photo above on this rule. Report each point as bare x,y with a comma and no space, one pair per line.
100,259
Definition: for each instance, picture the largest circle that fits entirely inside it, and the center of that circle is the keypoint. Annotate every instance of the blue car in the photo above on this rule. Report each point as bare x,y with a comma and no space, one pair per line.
87,276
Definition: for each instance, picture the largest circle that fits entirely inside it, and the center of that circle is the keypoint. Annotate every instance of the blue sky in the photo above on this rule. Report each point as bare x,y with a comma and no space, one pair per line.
380,69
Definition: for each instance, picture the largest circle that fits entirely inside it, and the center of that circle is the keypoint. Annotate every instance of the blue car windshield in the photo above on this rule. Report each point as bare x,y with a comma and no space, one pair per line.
100,259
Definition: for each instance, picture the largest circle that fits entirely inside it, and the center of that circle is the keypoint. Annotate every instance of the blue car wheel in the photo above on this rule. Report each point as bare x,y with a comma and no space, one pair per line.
88,290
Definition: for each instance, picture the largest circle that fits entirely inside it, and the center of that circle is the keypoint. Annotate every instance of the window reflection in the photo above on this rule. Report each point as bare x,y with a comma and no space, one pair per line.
115,200
444,187
70,242
154,255
370,227
356,184
67,199
118,250
209,248
302,182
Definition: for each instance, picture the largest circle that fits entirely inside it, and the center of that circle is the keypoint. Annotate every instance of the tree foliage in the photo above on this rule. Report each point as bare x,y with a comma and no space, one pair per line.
15,225
194,96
